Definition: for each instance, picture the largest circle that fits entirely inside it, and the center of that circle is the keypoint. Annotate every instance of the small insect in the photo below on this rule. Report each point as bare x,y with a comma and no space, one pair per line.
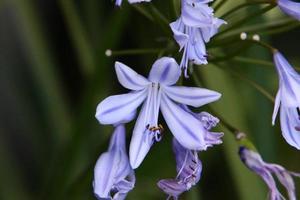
159,128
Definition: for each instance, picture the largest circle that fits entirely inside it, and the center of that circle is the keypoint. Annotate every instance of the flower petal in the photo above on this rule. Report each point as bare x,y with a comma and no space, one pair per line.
289,7
141,140
104,173
185,127
196,14
118,139
172,187
285,179
290,123
289,81
178,31
165,71
119,108
129,78
191,96
276,106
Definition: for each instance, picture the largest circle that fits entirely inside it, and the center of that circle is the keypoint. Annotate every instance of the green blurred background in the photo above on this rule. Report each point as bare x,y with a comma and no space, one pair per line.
54,72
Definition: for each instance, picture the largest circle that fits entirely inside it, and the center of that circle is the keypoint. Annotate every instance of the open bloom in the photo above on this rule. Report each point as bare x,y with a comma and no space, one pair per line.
119,2
188,167
158,93
114,177
193,29
290,7
265,170
288,99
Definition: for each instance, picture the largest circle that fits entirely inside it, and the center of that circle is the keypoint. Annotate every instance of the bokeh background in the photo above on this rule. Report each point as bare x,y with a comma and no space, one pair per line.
54,72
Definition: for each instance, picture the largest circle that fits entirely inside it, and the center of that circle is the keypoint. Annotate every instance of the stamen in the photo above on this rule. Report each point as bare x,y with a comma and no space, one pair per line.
297,128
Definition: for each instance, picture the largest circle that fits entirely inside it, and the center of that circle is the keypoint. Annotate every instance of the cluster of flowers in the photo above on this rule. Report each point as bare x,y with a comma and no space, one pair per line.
114,171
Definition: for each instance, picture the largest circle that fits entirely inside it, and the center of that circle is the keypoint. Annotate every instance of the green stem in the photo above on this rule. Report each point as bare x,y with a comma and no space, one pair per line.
141,9
250,82
257,62
237,8
262,44
79,37
247,19
132,52
218,5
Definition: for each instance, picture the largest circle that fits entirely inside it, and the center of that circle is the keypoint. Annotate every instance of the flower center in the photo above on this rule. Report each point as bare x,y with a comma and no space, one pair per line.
156,131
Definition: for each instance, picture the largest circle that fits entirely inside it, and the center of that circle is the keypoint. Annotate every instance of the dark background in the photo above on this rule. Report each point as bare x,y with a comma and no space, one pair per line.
54,72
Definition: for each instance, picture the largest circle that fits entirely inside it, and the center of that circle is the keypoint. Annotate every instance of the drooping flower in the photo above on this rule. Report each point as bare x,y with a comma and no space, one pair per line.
113,175
266,171
188,167
288,99
193,29
290,8
119,2
158,93
208,121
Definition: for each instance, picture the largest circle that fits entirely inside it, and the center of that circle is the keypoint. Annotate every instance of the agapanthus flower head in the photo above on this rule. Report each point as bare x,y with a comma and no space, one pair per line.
157,93
193,29
113,175
188,167
266,171
288,100
289,7
119,2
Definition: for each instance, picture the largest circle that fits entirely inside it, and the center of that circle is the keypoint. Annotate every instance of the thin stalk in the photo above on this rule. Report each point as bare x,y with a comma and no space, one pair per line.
262,44
141,9
159,15
79,37
132,52
218,5
247,19
241,6
257,62
269,25
176,7
256,86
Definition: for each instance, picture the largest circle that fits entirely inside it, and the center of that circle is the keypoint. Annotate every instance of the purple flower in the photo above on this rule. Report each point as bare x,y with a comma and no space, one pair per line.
119,2
288,99
188,165
193,29
290,7
158,93
208,121
113,175
265,170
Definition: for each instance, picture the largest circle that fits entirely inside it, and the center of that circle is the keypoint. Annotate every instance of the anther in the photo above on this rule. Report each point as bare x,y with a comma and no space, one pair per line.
194,161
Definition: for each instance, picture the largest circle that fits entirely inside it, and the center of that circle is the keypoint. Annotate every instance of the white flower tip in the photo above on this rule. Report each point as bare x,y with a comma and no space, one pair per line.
243,36
108,52
240,136
256,37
